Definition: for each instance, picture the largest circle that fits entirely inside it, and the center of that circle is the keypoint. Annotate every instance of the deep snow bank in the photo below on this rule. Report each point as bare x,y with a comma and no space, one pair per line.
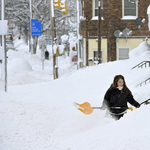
142,49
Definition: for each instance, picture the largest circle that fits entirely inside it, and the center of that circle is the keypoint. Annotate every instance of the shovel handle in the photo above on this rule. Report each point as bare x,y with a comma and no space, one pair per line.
146,102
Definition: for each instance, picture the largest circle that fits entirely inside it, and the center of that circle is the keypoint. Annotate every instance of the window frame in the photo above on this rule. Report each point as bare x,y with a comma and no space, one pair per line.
97,56
129,17
119,51
96,17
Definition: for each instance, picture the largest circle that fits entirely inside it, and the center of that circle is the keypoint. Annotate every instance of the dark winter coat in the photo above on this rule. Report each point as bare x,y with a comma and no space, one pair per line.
118,98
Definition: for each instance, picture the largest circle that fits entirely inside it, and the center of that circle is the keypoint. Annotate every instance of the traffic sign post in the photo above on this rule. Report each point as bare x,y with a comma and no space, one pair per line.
27,29
42,58
42,46
36,27
36,30
3,56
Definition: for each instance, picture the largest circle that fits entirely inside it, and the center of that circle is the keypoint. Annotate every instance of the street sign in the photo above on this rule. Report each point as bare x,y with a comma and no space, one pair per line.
49,41
71,31
42,44
27,27
36,27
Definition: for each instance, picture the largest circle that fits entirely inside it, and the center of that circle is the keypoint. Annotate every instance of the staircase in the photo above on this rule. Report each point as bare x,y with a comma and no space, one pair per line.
141,65
144,82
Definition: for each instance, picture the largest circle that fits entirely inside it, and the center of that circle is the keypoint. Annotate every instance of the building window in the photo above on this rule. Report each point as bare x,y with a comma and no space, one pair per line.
96,7
95,55
130,8
123,53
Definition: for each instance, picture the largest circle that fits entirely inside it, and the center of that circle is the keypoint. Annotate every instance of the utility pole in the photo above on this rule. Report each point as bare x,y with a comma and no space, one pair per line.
87,42
78,35
4,57
31,43
99,32
53,33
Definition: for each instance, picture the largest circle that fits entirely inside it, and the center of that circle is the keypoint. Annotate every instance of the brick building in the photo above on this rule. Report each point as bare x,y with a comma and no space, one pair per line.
115,15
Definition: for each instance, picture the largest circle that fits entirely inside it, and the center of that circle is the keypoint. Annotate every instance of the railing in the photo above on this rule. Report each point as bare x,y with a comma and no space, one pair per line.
144,82
142,64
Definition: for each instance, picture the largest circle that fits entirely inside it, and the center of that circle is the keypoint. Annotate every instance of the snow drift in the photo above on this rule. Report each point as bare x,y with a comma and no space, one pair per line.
142,49
41,115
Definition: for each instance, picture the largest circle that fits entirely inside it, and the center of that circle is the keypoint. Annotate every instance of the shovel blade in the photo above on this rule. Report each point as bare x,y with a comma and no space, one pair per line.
86,111
84,105
85,108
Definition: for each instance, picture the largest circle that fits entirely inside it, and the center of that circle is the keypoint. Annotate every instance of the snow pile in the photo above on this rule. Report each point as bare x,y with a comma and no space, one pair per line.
24,68
72,37
148,13
142,49
61,48
64,38
19,65
19,43
55,48
148,10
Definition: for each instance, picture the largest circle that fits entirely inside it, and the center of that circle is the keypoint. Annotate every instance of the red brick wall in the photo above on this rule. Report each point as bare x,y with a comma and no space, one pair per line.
112,21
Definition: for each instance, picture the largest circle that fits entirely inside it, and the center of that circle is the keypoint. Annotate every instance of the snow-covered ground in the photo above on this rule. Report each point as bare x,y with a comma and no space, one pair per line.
37,112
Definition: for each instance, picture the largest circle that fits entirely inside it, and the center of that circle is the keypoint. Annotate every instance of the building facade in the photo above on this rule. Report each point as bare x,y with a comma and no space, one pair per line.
116,15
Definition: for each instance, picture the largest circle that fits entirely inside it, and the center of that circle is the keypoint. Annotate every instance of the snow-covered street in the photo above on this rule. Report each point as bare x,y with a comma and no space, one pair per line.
37,112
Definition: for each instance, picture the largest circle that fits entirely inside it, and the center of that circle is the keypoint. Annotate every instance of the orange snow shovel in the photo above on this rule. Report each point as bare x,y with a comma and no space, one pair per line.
87,109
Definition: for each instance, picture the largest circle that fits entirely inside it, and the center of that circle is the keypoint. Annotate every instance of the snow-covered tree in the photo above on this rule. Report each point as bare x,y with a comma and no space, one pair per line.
18,12
65,22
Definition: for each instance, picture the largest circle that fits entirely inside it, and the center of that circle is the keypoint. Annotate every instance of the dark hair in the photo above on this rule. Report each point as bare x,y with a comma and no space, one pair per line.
116,79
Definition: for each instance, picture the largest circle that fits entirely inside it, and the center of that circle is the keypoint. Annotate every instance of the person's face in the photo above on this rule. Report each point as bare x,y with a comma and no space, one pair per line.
120,82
